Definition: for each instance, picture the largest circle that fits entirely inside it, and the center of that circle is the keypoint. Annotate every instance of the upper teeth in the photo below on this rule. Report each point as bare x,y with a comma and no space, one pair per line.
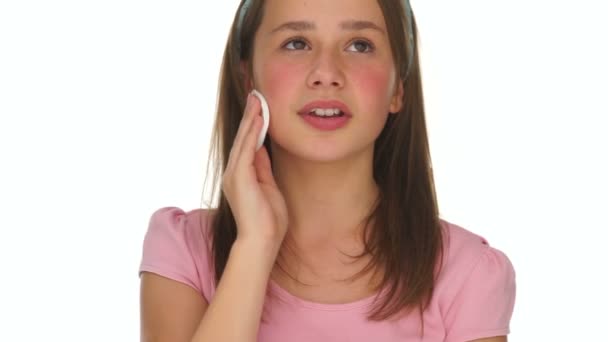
326,112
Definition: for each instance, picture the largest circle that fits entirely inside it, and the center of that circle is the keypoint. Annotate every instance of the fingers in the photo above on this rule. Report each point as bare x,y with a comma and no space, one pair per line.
246,149
244,128
263,167
247,152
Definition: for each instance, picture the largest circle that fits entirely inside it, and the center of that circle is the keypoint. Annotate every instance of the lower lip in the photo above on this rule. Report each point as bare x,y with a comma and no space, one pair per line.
326,124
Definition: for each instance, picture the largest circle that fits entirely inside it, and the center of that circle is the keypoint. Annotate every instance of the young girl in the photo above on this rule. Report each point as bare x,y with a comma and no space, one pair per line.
330,231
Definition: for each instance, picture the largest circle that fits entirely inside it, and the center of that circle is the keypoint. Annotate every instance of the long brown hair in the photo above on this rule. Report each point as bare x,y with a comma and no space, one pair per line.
406,238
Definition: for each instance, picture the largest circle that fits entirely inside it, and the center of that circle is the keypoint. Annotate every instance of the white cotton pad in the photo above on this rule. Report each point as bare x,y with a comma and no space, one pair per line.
265,116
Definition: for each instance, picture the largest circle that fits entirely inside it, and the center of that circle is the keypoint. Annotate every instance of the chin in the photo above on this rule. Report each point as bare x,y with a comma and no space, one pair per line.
318,152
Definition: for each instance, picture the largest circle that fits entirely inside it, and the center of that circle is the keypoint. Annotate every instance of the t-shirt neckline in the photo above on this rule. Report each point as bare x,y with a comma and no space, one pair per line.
292,299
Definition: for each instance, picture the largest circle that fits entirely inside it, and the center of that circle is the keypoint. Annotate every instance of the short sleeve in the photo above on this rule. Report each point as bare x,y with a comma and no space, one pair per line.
484,305
173,247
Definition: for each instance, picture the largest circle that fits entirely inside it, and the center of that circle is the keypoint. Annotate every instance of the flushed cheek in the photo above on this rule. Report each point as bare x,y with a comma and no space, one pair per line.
373,89
280,83
369,88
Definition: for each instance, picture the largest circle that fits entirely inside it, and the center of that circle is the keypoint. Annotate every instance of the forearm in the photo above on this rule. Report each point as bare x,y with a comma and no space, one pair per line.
235,311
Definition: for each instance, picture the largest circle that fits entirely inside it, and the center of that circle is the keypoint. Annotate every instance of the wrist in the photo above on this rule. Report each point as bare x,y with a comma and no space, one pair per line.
260,240
258,248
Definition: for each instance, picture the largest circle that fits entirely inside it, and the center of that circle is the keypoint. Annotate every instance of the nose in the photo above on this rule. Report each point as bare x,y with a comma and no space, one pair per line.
326,71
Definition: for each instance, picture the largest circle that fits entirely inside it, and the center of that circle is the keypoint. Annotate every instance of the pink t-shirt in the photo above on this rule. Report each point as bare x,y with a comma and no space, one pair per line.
474,295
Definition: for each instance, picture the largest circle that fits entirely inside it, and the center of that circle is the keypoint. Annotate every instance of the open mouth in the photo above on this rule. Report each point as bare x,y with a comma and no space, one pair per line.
326,113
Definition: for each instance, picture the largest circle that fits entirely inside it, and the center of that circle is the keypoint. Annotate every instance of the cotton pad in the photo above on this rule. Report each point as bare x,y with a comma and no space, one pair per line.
265,116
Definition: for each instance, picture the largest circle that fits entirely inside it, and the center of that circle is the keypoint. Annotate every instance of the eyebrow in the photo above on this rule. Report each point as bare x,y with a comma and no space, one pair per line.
351,25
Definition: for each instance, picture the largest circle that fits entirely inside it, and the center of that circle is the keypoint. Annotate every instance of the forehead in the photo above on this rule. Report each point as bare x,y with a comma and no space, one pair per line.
322,13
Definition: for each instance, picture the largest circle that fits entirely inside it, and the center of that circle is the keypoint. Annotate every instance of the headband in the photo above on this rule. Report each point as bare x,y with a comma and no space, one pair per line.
408,13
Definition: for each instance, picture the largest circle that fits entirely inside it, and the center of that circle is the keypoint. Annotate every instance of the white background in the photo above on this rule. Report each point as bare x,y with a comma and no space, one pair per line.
105,114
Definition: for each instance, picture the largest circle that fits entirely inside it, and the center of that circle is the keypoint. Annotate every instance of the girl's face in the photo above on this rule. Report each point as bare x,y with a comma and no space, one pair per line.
314,50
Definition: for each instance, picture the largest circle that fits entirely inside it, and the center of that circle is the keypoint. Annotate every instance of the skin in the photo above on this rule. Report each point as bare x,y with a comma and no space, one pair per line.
325,177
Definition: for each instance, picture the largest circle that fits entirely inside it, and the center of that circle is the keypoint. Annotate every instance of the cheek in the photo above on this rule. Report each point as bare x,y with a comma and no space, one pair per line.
374,88
278,80
372,85
280,84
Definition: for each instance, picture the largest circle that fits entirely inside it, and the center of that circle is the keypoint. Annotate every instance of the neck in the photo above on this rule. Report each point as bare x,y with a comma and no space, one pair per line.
326,201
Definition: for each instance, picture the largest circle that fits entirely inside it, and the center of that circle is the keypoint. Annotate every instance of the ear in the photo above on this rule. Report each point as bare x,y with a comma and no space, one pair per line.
248,84
397,98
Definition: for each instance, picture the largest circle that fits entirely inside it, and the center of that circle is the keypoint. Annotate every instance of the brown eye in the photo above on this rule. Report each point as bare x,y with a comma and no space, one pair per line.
362,46
298,44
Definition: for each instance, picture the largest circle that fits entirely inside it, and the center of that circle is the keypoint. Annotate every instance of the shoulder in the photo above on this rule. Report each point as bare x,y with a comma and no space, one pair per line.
173,220
174,215
460,240
177,245
172,226
464,250
475,287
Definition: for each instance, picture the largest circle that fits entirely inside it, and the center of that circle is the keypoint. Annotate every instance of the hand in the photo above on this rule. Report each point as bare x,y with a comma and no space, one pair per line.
248,183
